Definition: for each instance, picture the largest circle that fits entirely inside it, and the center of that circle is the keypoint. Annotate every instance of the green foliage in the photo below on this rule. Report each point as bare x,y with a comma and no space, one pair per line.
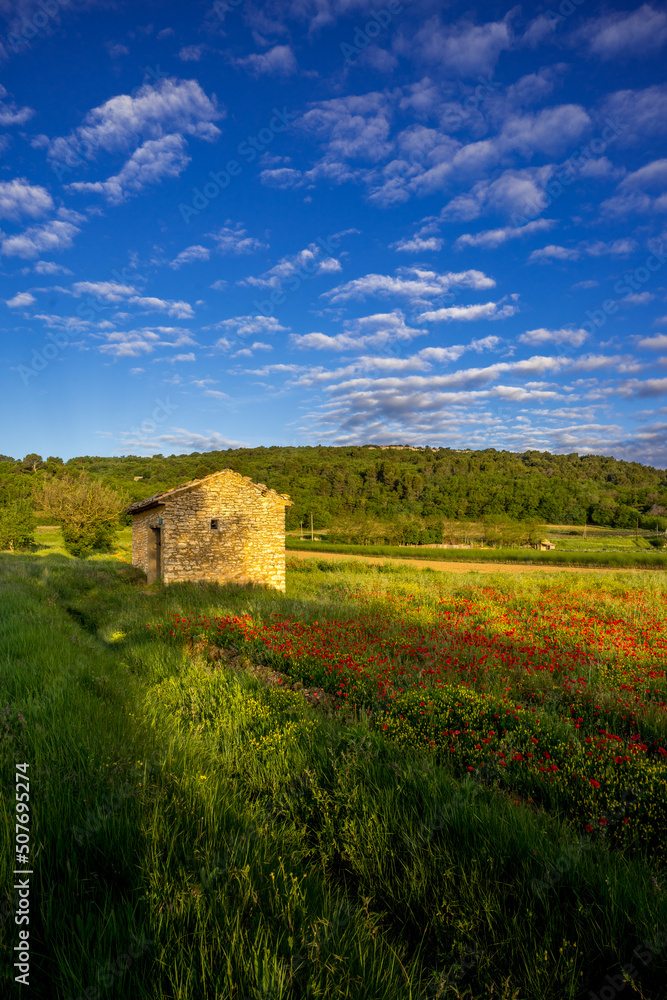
86,509
80,539
409,491
371,484
17,524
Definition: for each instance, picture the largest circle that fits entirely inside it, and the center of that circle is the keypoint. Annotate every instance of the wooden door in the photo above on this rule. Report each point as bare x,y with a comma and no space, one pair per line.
154,554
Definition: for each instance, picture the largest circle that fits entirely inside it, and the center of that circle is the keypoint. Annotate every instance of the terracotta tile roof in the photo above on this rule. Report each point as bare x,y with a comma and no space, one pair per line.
160,498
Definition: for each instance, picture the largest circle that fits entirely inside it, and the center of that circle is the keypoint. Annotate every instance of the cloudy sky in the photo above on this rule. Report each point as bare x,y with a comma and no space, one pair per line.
333,221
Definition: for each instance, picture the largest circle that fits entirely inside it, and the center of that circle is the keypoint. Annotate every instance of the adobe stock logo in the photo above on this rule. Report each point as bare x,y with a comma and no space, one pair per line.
162,411
569,171
250,149
40,359
30,27
630,283
363,37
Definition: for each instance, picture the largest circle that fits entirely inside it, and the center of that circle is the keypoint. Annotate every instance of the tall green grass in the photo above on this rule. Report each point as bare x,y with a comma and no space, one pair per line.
199,835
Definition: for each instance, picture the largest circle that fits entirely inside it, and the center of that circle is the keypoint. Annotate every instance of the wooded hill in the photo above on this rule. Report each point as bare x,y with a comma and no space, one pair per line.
389,484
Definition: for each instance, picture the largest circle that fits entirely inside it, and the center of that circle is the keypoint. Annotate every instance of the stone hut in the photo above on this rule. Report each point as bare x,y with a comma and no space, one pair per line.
220,529
545,544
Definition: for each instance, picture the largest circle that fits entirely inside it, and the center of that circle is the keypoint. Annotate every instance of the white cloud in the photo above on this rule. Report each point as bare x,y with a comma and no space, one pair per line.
458,50
306,264
49,267
515,191
652,176
549,131
111,291
376,330
633,203
145,340
487,310
177,309
169,107
250,326
52,236
639,33
191,53
281,178
63,322
234,239
639,298
464,379
643,388
19,198
155,160
553,252
179,440
619,363
190,254
352,127
642,112
656,343
115,50
278,61
489,239
615,248
575,338
20,300
489,343
416,284
10,114
417,244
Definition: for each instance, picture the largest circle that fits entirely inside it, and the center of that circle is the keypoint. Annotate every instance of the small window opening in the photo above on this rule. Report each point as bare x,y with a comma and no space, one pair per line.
214,523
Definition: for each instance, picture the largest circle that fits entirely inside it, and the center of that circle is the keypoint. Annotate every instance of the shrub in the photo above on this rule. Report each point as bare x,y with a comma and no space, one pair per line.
17,524
87,510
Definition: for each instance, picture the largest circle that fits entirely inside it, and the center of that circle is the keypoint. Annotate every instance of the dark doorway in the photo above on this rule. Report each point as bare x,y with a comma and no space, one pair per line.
154,554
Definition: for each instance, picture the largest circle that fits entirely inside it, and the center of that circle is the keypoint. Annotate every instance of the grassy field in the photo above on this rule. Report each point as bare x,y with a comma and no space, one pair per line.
572,537
624,559
476,809
566,537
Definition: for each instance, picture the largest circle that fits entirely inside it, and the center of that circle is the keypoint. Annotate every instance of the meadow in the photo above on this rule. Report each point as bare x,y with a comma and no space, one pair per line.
623,557
469,803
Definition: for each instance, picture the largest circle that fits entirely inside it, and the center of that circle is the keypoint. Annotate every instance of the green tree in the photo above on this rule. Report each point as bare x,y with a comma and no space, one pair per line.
86,510
32,462
17,524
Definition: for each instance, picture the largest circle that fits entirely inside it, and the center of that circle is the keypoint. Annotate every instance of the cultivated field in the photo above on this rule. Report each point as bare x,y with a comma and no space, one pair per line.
469,800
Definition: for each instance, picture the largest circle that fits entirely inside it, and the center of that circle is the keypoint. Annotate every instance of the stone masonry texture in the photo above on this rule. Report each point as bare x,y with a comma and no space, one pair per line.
247,546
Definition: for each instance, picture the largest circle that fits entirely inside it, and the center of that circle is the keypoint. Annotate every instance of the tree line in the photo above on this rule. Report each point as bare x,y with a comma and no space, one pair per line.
419,488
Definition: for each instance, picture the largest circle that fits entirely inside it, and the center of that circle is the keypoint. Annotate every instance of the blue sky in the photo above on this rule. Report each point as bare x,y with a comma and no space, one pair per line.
333,222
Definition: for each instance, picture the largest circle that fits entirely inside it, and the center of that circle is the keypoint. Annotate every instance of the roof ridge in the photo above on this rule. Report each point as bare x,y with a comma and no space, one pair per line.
139,505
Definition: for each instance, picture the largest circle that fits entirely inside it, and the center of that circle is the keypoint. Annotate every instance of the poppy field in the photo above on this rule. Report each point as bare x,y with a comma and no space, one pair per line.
564,696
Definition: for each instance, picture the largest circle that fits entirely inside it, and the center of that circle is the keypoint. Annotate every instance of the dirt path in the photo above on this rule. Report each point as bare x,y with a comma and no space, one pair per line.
464,567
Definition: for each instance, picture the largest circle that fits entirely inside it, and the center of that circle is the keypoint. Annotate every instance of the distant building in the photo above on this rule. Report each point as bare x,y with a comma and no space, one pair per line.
222,529
546,544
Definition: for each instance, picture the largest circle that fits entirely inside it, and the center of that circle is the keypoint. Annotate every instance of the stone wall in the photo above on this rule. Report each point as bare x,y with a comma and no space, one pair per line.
141,525
247,546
